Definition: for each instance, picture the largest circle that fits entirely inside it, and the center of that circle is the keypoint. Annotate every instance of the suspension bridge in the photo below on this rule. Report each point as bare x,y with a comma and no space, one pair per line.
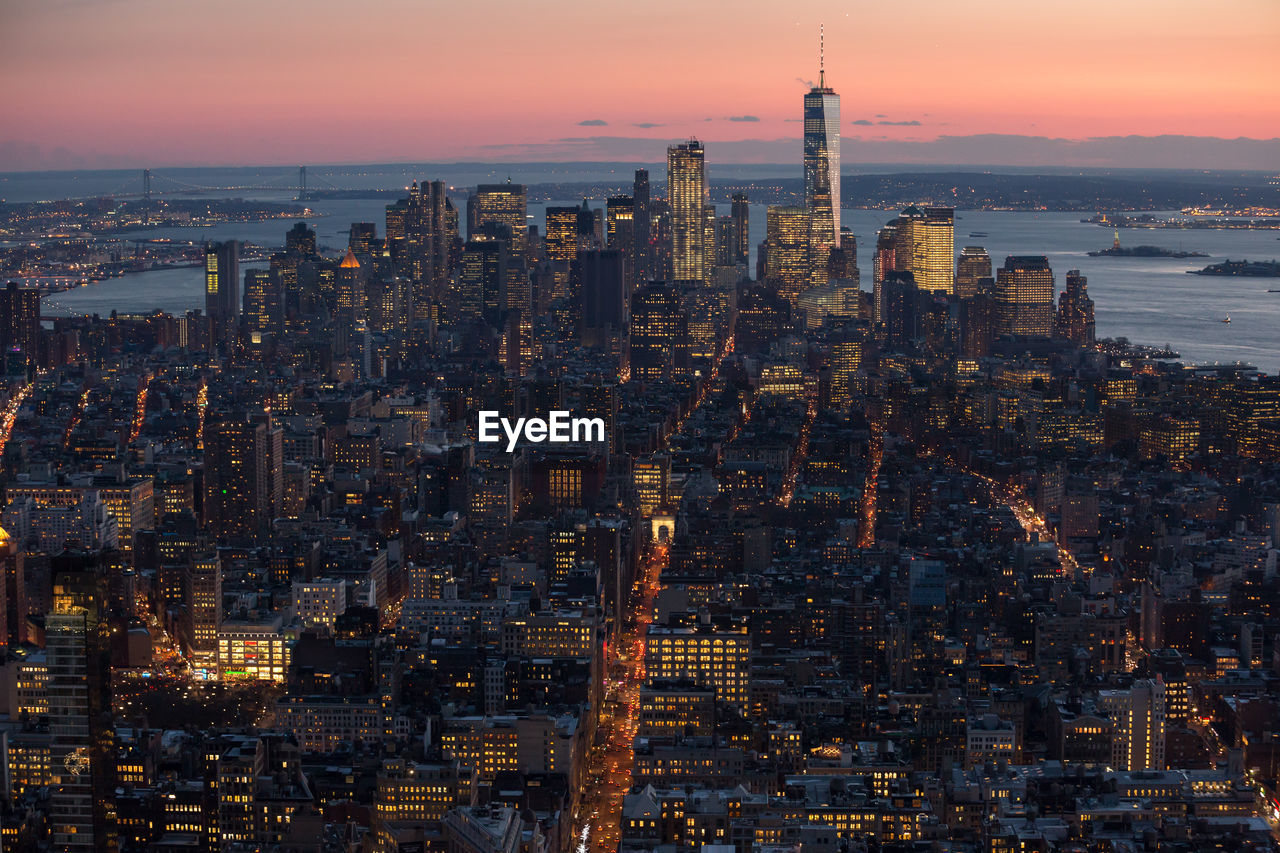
149,184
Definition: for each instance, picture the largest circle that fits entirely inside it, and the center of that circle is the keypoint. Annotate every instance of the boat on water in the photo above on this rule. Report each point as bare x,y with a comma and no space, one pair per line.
977,233
1226,319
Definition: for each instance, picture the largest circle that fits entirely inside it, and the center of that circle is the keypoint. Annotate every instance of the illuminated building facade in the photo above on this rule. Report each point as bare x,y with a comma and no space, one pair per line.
719,660
206,601
657,328
973,268
502,204
257,649
1024,297
787,239
687,194
822,167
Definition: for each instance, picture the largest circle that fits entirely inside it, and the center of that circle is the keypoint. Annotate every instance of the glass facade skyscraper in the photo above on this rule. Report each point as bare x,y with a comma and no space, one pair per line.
822,165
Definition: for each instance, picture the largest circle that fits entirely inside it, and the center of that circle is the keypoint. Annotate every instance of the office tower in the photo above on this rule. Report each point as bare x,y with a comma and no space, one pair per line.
264,301
978,321
591,228
390,303
973,265
706,312
604,296
1024,297
621,229
1242,409
362,237
1139,715
206,602
651,481
713,659
708,239
350,285
900,304
641,218
740,210
420,234
238,468
846,361
81,760
222,287
842,262
504,204
517,344
482,280
787,235
884,262
822,166
1075,311
656,329
661,251
300,240
763,317
925,245
20,320
561,246
687,195
726,241
14,610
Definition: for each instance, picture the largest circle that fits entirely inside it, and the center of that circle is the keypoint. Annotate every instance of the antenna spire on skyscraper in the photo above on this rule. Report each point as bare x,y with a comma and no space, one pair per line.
822,57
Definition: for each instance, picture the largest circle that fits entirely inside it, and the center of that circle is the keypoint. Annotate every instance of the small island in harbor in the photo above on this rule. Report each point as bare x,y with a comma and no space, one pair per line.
1116,250
1254,269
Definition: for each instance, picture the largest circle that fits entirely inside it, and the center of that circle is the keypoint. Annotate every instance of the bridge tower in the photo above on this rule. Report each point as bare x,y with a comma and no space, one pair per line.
302,183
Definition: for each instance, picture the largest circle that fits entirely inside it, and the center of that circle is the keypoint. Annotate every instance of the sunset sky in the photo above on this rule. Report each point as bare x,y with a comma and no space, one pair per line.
124,83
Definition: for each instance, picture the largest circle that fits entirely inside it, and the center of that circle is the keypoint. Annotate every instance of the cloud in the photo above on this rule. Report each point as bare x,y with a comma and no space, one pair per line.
647,124
863,122
881,115
910,123
592,122
808,84
744,118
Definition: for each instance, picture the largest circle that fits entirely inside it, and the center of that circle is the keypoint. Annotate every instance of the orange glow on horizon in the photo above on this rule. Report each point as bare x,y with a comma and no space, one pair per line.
130,81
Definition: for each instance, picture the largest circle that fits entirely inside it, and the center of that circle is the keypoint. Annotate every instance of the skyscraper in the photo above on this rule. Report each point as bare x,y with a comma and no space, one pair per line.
926,247
351,295
1024,297
20,319
562,246
641,217
973,265
504,204
300,240
222,286
822,165
77,638
655,331
687,193
740,211
263,302
1075,311
482,280
241,455
787,236
419,235
604,296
